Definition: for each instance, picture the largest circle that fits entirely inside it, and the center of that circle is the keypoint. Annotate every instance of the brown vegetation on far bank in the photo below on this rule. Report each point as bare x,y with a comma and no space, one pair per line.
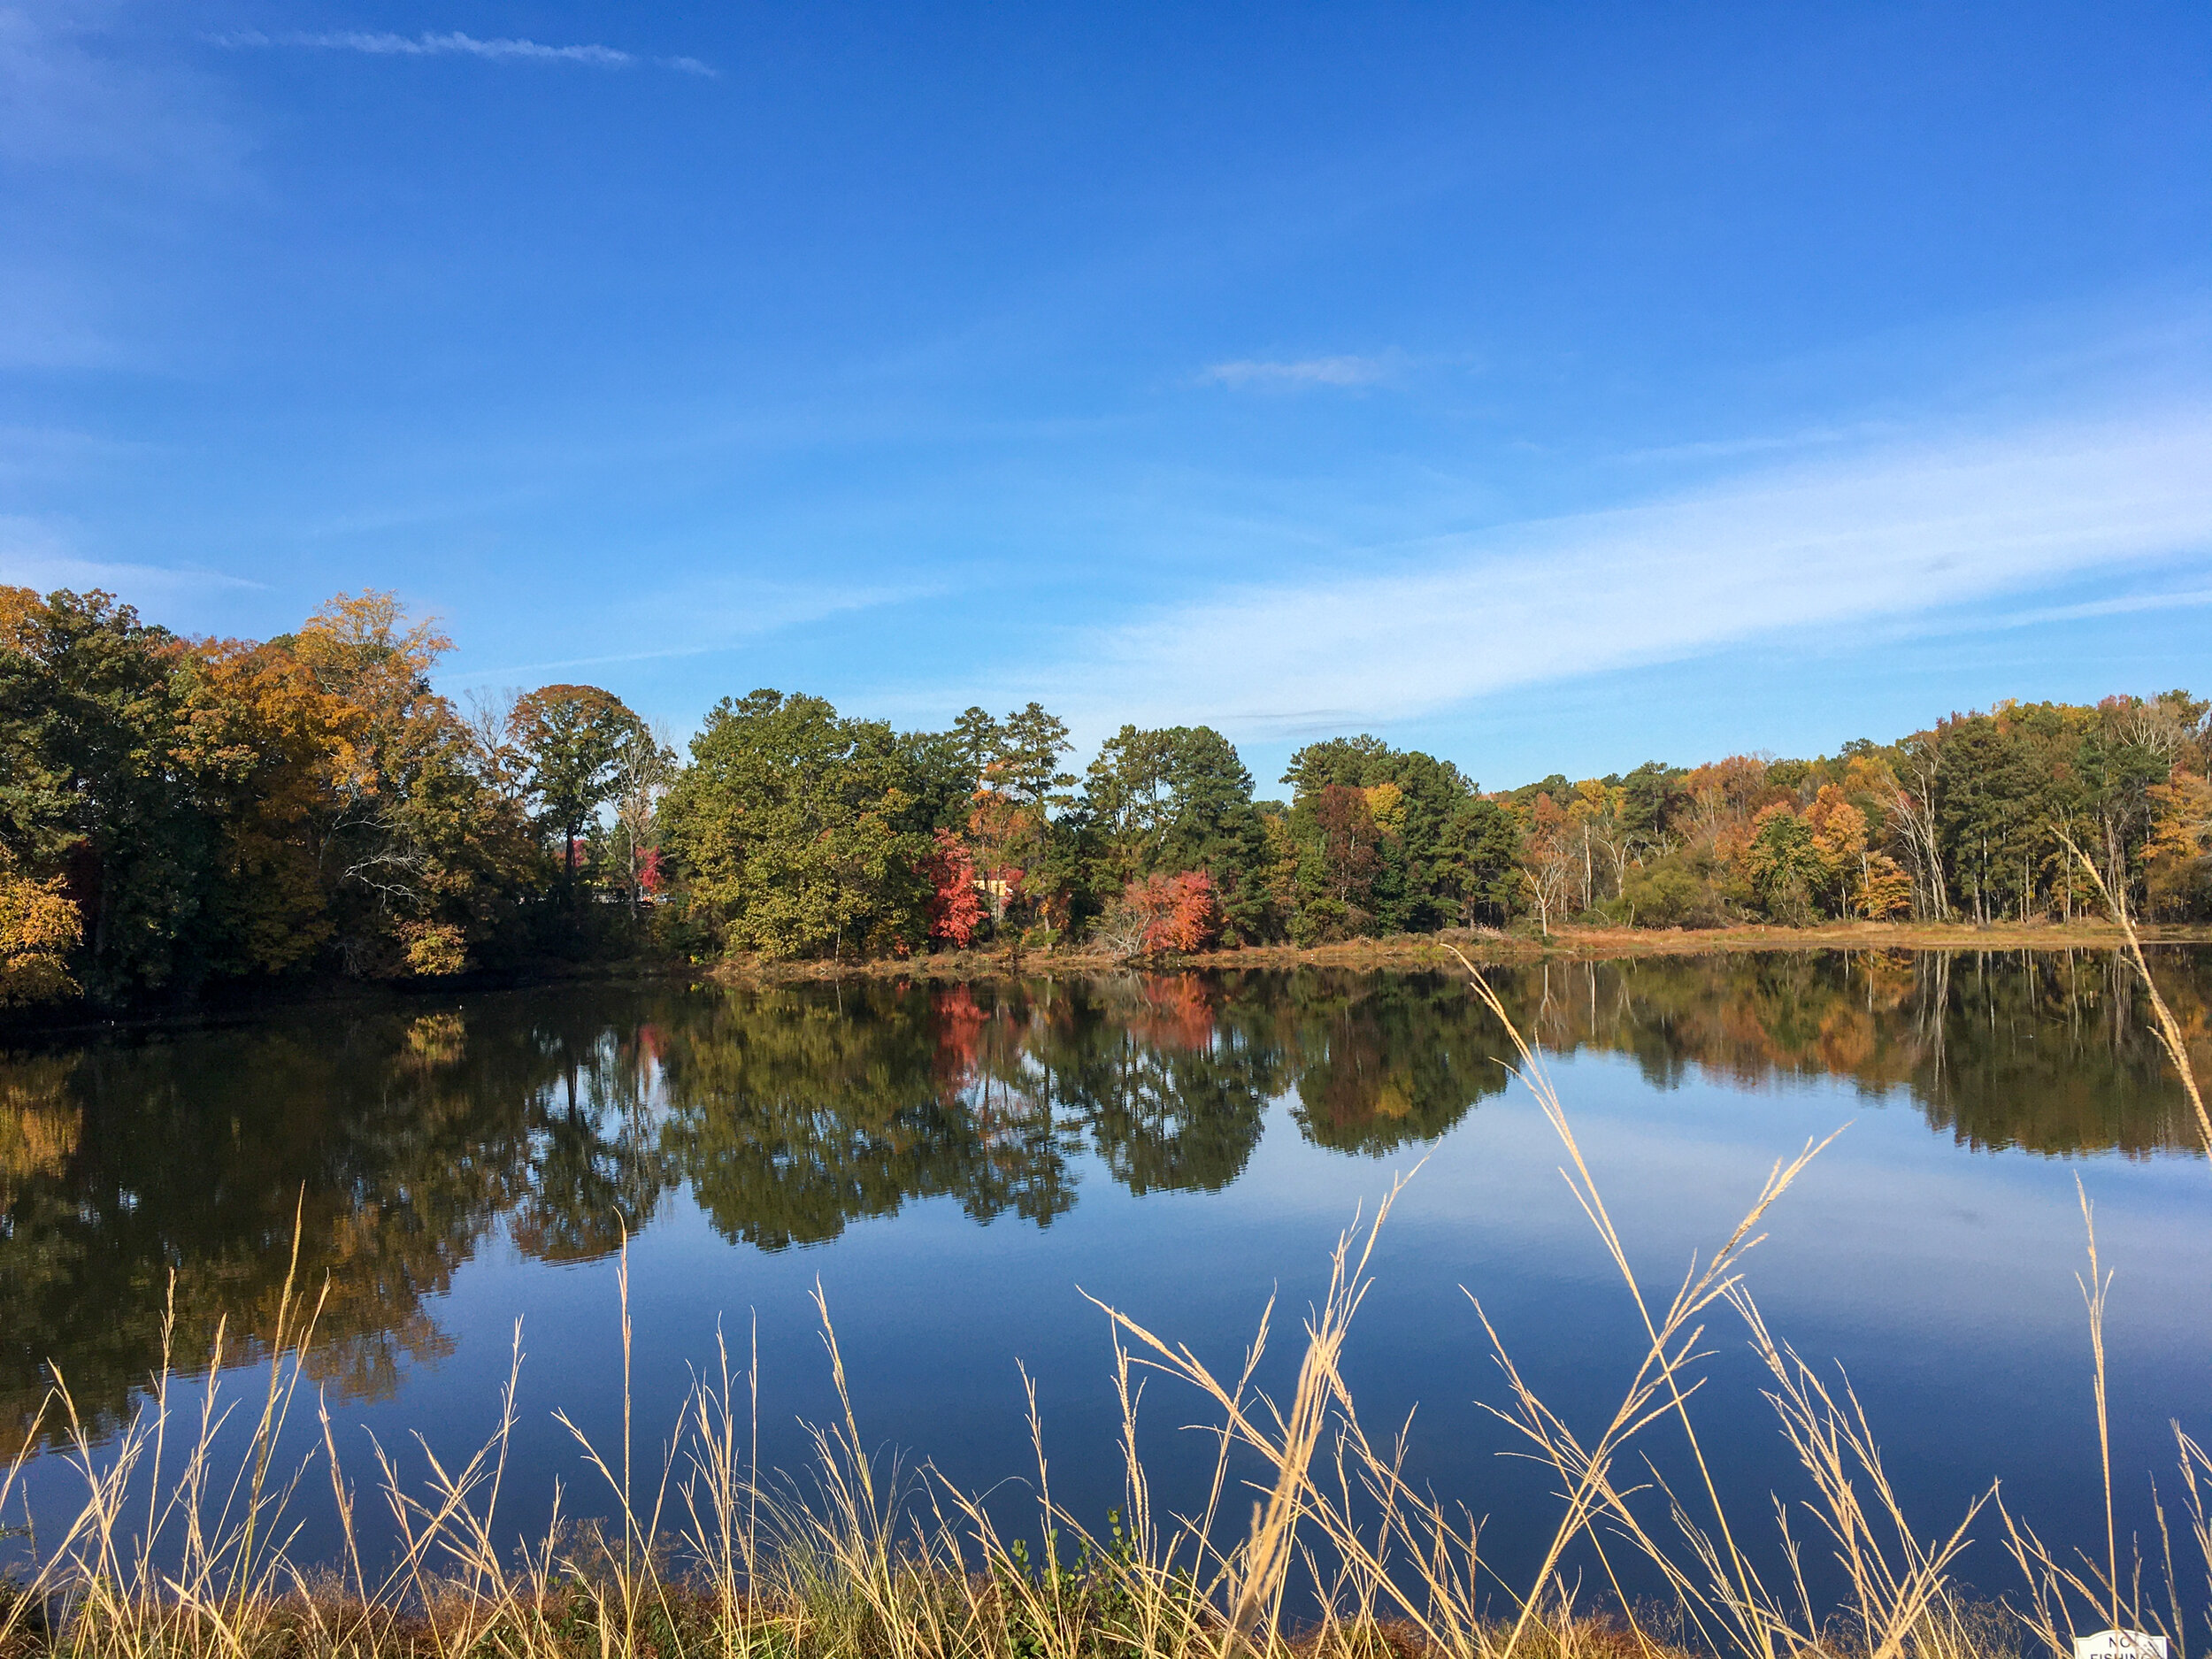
1437,950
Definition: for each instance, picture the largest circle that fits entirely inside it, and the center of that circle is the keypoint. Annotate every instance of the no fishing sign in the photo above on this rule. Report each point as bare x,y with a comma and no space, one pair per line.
2120,1644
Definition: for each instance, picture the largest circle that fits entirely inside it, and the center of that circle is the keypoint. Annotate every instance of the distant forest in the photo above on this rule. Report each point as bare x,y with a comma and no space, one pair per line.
178,814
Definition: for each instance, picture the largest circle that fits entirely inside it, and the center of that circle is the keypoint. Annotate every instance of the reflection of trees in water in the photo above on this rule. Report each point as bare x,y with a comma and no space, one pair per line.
1164,1080
566,1117
394,1142
1381,1063
792,1112
598,1169
2042,1050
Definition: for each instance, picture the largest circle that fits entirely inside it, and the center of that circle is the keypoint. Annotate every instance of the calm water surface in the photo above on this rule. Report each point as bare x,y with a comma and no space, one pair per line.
953,1166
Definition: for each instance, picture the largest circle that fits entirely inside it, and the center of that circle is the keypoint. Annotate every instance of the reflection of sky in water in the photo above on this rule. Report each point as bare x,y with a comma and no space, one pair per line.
1940,1275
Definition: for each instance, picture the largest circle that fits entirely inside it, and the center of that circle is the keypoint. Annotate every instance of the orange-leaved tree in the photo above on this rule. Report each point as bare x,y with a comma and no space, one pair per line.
1549,861
1178,913
1008,839
417,853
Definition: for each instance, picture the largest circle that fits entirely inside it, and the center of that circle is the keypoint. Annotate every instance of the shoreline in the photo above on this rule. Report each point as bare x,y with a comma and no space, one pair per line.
1405,953
1435,950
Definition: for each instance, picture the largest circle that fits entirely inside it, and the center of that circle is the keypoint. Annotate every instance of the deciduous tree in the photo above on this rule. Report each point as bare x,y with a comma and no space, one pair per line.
797,831
574,741
39,928
1550,860
955,909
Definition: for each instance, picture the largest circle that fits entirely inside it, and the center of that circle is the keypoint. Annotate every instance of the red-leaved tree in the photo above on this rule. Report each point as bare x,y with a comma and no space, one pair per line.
1178,912
955,909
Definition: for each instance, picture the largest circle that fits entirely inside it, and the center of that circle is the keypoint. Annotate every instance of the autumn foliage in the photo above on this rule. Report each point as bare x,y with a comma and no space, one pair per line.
1178,913
38,927
177,813
956,906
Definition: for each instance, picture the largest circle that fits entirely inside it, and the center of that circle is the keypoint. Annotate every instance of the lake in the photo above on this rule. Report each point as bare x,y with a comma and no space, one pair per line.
957,1167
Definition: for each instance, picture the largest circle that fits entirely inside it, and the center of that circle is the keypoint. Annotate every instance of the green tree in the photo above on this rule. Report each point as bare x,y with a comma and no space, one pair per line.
1352,762
799,832
1474,870
1785,864
1341,853
945,771
975,738
573,740
1129,792
1415,884
1178,800
91,789
1025,763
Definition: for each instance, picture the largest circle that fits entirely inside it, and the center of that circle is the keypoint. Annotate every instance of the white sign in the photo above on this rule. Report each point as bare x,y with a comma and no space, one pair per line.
2120,1644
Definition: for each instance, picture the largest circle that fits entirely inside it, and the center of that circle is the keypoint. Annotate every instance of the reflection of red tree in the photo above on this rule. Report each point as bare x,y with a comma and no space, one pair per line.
959,1024
1178,1013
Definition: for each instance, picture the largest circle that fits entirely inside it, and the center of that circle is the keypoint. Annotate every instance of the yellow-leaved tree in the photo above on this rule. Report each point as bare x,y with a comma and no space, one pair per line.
1860,880
38,927
2176,869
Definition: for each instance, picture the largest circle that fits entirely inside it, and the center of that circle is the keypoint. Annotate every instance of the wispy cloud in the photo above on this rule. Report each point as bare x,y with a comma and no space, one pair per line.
1733,448
499,49
73,104
1267,374
703,619
1885,535
2118,605
52,452
34,553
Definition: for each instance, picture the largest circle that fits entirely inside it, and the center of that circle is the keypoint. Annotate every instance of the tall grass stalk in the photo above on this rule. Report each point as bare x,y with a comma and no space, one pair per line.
2060,1583
2169,1028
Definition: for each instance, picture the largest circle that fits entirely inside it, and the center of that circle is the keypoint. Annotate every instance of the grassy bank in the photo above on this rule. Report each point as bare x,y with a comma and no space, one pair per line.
1310,1539
1450,950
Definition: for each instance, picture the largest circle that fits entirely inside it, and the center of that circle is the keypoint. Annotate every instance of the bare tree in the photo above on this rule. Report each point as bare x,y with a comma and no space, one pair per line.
644,766
1916,817
488,715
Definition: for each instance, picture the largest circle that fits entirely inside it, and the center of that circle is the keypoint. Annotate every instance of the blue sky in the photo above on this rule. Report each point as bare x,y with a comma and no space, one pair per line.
1544,386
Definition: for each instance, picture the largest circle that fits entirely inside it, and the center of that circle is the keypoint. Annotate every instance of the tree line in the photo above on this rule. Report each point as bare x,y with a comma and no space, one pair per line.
177,814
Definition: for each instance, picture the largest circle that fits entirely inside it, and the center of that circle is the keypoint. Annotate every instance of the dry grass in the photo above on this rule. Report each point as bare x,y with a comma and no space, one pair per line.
181,1548
1481,945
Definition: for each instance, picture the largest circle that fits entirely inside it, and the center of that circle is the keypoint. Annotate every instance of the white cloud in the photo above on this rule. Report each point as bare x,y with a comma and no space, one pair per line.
1282,376
2118,605
1885,534
454,42
36,554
